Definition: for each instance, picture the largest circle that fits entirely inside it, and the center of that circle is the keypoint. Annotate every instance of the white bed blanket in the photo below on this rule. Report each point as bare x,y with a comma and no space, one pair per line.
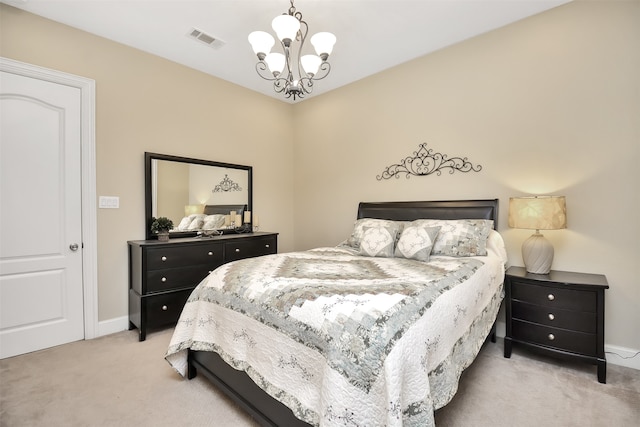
346,340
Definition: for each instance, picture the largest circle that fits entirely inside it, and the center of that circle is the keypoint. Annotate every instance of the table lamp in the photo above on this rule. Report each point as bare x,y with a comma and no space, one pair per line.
537,213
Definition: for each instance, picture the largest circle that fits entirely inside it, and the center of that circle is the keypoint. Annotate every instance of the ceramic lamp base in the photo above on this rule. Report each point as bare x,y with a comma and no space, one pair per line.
537,254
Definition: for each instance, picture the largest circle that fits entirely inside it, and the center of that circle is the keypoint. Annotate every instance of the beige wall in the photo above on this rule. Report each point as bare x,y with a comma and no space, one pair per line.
549,105
146,103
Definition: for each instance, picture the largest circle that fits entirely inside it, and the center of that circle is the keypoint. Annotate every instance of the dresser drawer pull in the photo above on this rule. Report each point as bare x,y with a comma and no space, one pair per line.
164,258
551,337
210,253
267,246
164,279
237,250
551,316
165,308
551,297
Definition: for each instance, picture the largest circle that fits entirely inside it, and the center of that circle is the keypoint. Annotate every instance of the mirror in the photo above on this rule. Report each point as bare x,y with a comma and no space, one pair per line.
178,187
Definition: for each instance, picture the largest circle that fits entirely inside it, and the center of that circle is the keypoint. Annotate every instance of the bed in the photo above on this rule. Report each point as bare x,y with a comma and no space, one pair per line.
357,334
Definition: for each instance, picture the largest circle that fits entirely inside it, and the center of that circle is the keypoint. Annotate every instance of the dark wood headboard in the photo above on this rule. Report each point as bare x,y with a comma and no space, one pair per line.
449,209
224,209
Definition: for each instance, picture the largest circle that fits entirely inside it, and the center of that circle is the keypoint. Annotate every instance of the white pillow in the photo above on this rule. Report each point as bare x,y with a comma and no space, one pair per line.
378,241
213,222
360,224
416,242
197,222
459,237
184,223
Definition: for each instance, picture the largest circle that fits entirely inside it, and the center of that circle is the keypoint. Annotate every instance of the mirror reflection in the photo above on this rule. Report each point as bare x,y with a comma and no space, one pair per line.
197,194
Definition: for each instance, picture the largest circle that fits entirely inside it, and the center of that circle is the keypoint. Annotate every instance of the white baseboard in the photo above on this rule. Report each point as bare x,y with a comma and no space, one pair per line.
622,356
111,326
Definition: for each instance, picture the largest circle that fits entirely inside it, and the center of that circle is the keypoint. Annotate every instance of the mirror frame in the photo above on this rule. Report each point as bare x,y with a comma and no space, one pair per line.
148,159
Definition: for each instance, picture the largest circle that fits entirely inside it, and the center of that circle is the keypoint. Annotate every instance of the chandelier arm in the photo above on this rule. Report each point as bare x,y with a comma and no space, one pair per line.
323,71
302,35
263,71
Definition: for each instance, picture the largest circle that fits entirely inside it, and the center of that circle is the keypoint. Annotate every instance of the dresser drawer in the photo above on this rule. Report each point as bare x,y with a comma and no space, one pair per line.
561,339
175,278
554,297
250,248
165,309
172,256
581,321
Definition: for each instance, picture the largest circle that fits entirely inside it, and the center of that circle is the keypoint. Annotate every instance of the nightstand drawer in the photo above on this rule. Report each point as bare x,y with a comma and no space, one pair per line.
580,321
246,249
175,278
165,309
561,339
554,297
178,256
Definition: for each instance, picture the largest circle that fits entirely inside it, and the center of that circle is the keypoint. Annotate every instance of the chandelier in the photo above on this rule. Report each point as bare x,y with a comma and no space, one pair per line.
292,73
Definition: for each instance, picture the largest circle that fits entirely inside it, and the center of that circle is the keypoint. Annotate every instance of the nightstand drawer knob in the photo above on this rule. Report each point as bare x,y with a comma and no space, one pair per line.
551,297
237,250
267,246
551,316
551,337
210,253
165,308
164,258
164,279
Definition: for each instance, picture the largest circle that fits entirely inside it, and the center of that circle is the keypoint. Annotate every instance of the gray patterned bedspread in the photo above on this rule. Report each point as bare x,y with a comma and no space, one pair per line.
346,340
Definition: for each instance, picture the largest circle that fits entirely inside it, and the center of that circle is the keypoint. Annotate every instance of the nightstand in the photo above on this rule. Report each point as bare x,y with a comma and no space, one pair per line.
560,313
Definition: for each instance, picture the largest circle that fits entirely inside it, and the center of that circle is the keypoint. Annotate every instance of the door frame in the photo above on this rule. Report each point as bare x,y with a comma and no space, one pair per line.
87,89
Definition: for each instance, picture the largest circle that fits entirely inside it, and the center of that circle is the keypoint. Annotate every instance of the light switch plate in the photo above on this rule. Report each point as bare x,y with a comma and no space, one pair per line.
109,202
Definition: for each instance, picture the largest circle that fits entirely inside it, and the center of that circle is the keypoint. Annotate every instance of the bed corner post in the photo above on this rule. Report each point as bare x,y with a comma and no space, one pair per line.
191,369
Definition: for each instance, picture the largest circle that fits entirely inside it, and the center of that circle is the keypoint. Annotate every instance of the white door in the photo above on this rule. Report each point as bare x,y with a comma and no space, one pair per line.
41,289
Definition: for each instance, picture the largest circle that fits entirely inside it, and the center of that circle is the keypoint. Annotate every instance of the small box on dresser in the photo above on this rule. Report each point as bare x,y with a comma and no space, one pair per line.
560,313
162,275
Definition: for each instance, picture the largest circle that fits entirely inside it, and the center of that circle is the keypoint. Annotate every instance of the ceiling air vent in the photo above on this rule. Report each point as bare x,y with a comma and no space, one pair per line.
205,38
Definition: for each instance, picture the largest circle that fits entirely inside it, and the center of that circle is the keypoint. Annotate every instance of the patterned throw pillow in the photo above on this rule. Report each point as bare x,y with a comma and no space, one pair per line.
378,241
213,222
360,224
459,237
416,242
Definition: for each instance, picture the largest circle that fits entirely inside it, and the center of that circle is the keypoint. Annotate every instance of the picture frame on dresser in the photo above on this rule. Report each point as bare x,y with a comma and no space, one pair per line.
560,314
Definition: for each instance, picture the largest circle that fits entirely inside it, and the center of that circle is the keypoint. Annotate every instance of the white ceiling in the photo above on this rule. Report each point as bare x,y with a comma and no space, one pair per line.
372,35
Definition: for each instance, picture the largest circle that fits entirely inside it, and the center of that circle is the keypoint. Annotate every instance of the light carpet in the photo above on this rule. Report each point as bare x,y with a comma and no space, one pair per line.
117,381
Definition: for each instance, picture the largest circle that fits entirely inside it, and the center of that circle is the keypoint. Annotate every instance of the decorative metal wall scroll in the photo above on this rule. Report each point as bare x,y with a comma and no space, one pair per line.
226,185
426,162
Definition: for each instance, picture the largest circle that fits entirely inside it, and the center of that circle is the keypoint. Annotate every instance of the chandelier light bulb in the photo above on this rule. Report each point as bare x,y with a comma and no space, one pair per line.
261,42
286,28
323,43
310,64
276,62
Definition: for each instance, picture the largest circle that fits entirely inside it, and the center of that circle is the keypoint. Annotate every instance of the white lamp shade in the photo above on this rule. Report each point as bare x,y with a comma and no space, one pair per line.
310,64
286,27
261,42
538,213
323,43
275,61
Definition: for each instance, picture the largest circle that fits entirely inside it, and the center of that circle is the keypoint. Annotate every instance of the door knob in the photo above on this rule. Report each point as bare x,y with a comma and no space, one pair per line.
74,247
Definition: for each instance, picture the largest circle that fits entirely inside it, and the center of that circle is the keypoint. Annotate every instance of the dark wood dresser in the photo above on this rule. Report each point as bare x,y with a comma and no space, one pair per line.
560,313
163,274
